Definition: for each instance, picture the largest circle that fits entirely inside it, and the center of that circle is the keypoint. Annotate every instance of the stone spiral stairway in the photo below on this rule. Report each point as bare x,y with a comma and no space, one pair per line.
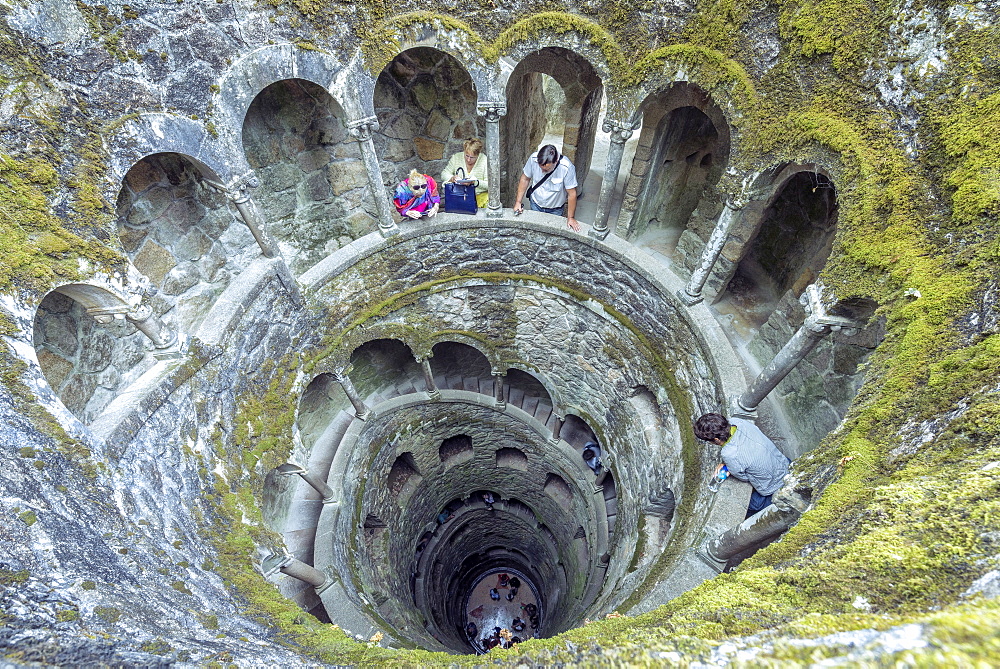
306,505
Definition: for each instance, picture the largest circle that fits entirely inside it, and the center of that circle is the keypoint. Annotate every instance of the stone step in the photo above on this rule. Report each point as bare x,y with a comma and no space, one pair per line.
612,506
543,412
612,520
454,382
515,396
471,384
530,404
486,386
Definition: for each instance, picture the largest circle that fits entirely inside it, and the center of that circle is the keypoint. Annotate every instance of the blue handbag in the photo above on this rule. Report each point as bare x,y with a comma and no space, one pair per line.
460,196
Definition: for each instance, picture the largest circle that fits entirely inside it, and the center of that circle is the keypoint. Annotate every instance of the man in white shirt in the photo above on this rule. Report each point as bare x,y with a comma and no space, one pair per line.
549,180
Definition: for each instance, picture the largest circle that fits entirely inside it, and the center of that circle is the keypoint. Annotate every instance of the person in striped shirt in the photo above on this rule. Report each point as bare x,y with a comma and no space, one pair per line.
748,454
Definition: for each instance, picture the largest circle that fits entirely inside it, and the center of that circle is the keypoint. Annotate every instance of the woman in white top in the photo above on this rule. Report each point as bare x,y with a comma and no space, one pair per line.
472,160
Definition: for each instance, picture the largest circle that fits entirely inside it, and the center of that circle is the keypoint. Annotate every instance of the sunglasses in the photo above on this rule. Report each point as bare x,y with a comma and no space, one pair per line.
418,186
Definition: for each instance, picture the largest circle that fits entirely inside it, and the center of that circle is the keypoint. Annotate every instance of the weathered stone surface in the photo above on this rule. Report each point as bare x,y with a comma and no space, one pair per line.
428,149
154,261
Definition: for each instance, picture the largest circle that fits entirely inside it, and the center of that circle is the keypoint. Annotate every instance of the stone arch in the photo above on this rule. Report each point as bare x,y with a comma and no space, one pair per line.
512,458
320,403
557,488
157,133
462,44
314,186
426,105
381,366
576,432
177,229
455,450
787,242
427,344
532,384
250,75
87,351
682,151
455,360
725,80
521,132
403,478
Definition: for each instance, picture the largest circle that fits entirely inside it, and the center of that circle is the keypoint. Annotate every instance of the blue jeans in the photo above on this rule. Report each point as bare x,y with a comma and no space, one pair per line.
558,211
757,502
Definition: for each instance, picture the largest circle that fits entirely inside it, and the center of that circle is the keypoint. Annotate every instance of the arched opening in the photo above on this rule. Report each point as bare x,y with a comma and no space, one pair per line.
682,151
461,367
323,404
456,450
314,193
425,102
681,165
384,368
180,233
531,100
528,393
87,364
403,478
789,248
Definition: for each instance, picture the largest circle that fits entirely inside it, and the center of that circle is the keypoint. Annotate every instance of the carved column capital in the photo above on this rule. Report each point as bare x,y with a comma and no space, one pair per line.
620,131
239,190
362,129
492,111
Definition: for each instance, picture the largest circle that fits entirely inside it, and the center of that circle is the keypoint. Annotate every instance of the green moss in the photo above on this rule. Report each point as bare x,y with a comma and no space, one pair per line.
181,586
28,517
13,577
156,646
88,585
68,615
36,247
26,452
109,614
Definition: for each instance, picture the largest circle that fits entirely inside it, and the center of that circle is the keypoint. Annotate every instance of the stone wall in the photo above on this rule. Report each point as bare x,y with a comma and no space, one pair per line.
314,189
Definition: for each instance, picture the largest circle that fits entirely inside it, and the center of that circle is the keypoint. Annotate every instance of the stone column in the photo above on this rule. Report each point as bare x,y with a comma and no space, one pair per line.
498,389
757,529
240,196
691,294
361,410
286,564
362,130
432,389
288,469
557,428
817,325
143,318
620,133
492,111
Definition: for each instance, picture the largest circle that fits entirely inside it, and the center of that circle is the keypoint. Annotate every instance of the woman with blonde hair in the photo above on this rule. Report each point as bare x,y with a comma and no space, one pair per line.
473,163
417,196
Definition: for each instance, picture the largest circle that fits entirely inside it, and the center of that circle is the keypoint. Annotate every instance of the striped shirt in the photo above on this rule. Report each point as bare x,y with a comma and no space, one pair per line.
752,457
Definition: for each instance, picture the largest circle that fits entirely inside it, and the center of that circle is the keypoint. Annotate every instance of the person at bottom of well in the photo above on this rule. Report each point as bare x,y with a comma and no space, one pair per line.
417,196
549,181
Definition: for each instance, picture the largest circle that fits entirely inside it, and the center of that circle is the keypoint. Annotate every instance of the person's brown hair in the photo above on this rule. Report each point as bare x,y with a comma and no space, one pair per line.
712,426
